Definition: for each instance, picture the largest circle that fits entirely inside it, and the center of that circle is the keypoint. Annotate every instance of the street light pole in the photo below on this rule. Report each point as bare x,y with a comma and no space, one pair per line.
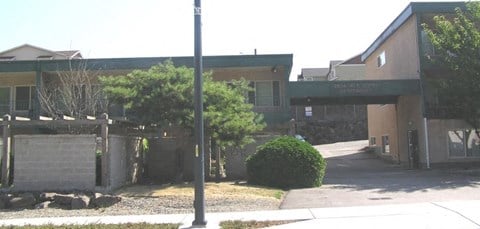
199,202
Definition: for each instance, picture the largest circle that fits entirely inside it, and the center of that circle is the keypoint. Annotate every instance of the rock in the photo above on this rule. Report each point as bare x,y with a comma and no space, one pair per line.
80,202
103,201
24,200
63,199
47,196
43,205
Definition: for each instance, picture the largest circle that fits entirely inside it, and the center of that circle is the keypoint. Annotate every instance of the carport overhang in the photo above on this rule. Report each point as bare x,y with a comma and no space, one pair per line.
308,93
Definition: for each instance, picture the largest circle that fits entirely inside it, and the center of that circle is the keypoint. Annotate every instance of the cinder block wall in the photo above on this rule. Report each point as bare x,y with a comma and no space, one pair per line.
54,162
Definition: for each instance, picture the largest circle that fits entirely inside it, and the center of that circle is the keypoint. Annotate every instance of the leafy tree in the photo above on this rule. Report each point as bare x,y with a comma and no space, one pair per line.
163,95
456,39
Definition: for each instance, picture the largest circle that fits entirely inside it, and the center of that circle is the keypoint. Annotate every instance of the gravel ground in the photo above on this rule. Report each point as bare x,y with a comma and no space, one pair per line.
152,205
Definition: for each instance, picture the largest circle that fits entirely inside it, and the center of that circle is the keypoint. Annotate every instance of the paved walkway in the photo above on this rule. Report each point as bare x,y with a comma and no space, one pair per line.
354,178
458,214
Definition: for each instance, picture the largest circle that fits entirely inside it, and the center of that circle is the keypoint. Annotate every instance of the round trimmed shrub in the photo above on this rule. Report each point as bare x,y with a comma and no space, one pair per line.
286,162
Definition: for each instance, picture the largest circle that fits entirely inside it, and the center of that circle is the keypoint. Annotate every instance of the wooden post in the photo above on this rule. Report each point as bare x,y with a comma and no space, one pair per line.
105,153
6,152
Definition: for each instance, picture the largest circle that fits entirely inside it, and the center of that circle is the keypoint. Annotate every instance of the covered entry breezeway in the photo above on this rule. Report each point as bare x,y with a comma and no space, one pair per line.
334,111
351,92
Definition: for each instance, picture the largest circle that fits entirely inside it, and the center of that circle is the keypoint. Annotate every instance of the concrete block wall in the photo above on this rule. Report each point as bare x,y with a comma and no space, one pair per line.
54,162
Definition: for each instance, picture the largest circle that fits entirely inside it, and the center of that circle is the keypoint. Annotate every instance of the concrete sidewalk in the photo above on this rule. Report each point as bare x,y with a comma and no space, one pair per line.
455,214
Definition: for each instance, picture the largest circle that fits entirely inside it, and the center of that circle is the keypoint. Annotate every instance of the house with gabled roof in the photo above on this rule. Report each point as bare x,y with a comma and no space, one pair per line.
30,52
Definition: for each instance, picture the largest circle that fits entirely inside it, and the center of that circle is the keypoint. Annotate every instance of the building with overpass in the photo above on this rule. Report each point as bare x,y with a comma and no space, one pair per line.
405,122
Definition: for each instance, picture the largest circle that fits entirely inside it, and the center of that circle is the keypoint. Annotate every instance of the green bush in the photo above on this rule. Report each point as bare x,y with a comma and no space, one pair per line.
286,162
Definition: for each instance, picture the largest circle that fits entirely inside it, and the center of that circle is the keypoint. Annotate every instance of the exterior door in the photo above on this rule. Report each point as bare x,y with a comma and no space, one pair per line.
4,100
413,150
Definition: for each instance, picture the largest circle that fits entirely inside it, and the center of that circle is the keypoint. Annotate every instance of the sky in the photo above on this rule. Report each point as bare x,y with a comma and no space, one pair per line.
314,31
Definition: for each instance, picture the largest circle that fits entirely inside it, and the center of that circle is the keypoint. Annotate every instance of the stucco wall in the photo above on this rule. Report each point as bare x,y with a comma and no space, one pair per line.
273,114
438,142
401,52
402,62
382,121
13,79
350,72
170,159
409,117
126,162
235,167
54,162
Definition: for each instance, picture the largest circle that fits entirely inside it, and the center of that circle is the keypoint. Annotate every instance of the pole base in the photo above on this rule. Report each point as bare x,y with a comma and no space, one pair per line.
199,224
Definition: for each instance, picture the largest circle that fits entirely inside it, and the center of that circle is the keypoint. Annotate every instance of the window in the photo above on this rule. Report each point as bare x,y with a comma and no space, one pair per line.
308,112
381,59
463,143
385,144
427,45
4,100
45,57
265,93
7,58
24,97
373,141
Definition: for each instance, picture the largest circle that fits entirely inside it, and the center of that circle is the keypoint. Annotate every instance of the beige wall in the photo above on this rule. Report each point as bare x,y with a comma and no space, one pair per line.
438,141
409,117
255,74
382,121
401,51
350,71
13,79
402,62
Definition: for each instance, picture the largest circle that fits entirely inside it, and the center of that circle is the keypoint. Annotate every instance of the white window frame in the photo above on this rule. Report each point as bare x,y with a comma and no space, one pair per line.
381,59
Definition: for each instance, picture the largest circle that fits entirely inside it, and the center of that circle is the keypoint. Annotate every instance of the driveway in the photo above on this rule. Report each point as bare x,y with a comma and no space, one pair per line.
355,178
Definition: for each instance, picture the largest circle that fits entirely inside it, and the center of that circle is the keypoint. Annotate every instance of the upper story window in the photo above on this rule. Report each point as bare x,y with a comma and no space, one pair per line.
427,45
265,93
381,59
7,58
45,57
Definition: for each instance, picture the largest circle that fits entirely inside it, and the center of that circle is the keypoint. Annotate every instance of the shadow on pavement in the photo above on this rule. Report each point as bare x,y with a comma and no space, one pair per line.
363,170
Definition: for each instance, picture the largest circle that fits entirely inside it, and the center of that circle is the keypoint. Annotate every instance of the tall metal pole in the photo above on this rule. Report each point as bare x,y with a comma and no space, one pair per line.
199,202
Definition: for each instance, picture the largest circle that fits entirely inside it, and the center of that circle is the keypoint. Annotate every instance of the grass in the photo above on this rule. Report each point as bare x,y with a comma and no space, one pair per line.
223,189
237,224
102,226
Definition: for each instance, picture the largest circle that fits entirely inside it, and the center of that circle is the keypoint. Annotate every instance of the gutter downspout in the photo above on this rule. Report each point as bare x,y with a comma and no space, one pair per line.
425,128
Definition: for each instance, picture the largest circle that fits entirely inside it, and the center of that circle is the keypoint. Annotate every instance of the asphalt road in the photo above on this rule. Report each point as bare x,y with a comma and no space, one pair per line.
355,178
